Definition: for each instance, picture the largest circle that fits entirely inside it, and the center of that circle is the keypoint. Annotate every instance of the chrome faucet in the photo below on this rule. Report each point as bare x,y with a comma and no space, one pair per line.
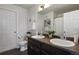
65,35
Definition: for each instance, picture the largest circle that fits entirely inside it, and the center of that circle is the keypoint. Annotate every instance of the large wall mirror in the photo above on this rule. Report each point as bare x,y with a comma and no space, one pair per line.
47,24
64,19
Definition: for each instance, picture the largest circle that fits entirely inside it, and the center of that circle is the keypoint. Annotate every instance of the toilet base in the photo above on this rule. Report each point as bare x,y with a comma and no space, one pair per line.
23,45
23,48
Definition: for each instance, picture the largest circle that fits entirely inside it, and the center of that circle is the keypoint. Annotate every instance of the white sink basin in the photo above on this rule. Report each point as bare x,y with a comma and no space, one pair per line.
38,37
62,42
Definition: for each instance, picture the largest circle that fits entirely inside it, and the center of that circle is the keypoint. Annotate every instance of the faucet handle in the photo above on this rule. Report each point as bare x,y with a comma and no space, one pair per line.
64,35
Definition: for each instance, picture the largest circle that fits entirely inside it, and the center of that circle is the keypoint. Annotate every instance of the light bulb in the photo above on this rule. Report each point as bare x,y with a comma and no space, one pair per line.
46,5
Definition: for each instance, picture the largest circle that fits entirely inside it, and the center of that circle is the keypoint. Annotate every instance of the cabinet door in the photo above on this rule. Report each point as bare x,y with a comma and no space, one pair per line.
33,47
44,52
51,50
32,50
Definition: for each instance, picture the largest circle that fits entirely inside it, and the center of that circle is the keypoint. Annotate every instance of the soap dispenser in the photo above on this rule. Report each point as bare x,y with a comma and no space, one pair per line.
76,38
36,33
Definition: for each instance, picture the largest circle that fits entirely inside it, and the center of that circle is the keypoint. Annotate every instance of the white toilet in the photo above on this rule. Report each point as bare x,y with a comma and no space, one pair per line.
23,45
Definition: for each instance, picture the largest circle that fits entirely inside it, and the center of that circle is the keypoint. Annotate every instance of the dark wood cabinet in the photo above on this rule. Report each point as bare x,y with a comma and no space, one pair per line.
36,47
52,50
33,47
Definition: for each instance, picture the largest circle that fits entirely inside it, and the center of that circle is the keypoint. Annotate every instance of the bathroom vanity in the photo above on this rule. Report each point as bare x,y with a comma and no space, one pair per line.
44,47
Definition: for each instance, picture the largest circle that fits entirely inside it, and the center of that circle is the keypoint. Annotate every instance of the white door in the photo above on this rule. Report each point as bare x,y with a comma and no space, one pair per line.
59,26
7,30
71,23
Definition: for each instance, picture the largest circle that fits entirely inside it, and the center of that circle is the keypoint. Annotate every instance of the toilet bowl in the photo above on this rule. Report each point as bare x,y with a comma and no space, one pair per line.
23,45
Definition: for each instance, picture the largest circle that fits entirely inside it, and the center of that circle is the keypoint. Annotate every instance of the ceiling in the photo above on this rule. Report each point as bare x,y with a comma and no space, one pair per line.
27,6
57,8
60,8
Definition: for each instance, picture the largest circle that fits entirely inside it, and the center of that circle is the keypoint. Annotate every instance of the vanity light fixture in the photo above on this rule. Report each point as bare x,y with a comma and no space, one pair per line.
43,6
46,5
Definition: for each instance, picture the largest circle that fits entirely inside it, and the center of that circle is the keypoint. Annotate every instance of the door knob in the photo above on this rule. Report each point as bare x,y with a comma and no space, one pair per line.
15,32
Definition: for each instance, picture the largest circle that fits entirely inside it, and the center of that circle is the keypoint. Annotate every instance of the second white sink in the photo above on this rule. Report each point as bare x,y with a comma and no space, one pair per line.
62,42
38,37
